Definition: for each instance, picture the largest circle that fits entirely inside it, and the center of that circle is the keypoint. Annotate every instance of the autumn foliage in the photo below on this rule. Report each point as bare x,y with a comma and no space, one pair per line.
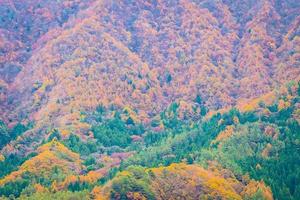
180,181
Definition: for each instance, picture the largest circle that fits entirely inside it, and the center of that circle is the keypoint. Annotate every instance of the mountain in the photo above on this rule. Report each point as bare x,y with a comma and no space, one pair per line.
123,83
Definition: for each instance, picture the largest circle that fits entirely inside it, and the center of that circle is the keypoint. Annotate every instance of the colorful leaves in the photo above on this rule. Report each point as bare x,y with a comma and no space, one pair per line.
178,180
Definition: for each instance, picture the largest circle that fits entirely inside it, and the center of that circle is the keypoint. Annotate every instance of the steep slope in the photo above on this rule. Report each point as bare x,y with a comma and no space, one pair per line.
22,24
149,83
287,63
146,55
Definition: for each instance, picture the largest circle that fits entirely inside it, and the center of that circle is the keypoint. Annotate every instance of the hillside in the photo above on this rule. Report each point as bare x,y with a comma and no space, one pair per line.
94,91
156,53
180,181
249,154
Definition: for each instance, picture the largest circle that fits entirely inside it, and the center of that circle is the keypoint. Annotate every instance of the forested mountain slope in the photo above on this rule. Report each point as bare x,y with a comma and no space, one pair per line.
252,154
155,53
92,87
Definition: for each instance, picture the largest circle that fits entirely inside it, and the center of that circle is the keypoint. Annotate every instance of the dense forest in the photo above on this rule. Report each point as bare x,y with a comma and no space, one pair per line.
150,99
235,154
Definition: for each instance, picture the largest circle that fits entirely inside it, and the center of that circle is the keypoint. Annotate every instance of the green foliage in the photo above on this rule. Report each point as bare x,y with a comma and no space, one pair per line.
111,174
90,163
174,146
61,195
109,135
75,144
204,110
8,135
256,196
11,163
79,186
14,188
151,138
170,118
198,99
169,78
188,140
3,134
54,134
136,180
113,131
243,152
129,121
